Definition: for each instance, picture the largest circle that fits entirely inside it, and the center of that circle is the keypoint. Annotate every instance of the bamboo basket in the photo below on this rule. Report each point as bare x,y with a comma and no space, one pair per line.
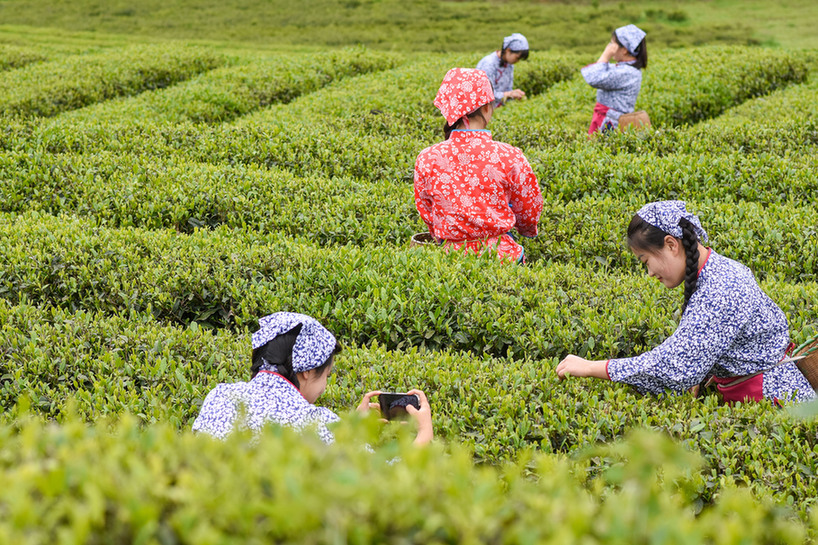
809,364
635,120
421,240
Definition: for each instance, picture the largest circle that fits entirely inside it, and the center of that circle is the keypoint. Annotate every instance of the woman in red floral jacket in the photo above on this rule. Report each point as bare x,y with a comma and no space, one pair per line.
470,190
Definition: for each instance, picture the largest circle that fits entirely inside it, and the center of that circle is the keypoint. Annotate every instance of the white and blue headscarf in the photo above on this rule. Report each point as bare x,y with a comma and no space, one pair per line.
665,216
515,42
313,346
630,36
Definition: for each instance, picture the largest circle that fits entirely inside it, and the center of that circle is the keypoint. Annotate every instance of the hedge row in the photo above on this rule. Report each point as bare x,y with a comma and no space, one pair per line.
12,56
48,88
122,190
782,123
387,114
103,366
232,91
574,172
397,297
81,484
779,241
567,171
407,91
117,190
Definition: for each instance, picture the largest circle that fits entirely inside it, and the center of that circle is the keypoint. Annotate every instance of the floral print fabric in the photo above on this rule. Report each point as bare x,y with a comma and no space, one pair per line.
665,216
501,77
730,328
463,91
470,189
630,36
267,398
313,346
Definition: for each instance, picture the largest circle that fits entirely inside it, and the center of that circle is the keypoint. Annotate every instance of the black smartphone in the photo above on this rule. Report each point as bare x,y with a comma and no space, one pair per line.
393,405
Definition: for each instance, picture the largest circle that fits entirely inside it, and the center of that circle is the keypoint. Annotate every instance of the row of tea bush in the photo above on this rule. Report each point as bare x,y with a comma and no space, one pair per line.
48,88
76,483
98,366
396,296
117,312
128,190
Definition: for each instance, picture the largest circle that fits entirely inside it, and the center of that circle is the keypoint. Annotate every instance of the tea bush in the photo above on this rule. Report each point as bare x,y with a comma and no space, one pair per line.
138,191
116,190
143,236
48,88
99,366
232,91
16,57
227,278
86,484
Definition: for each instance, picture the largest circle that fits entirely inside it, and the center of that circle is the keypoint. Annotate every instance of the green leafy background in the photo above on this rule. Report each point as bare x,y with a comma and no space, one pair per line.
158,196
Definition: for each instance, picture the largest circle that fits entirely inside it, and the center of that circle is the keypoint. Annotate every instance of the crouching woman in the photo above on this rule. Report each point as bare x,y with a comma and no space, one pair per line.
293,355
470,190
730,330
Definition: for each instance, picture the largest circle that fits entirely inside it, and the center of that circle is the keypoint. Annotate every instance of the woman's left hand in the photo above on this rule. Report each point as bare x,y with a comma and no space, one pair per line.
366,403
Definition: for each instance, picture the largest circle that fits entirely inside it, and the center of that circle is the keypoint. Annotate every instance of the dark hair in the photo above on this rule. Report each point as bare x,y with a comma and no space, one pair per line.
523,55
278,352
447,129
641,51
642,234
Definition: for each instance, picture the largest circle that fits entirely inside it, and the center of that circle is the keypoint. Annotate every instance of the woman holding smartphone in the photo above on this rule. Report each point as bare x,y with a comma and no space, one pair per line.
730,330
617,84
293,355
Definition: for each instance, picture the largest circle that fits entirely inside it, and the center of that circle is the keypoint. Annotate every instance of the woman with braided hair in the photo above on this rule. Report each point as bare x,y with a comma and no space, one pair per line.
730,330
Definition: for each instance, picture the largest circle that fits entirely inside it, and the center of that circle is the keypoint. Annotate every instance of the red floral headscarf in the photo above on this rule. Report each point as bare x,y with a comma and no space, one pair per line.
463,91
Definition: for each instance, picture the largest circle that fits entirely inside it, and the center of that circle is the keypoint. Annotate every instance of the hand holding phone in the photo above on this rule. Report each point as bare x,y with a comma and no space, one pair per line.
393,405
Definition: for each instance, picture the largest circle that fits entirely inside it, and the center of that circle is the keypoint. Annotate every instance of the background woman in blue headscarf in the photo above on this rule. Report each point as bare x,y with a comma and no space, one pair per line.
730,330
617,84
499,67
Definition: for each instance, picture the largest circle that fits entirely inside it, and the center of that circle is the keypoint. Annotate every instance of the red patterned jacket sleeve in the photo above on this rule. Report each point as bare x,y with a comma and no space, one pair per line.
423,201
526,199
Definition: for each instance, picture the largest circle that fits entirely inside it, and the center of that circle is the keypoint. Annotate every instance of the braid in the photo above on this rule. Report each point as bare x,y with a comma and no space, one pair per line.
690,241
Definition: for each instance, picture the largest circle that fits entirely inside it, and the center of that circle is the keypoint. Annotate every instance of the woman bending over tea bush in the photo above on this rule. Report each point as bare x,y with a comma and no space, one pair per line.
730,330
470,190
499,67
617,85
293,355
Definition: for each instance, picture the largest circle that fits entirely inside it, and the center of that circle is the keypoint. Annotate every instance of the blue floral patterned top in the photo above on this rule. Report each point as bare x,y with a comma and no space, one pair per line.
267,398
501,77
617,87
730,328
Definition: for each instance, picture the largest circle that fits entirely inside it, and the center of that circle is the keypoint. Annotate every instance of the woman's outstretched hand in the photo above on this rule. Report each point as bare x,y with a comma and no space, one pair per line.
423,417
516,94
580,367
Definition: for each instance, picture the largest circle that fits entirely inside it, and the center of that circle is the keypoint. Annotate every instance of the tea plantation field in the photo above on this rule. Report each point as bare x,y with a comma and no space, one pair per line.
157,198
